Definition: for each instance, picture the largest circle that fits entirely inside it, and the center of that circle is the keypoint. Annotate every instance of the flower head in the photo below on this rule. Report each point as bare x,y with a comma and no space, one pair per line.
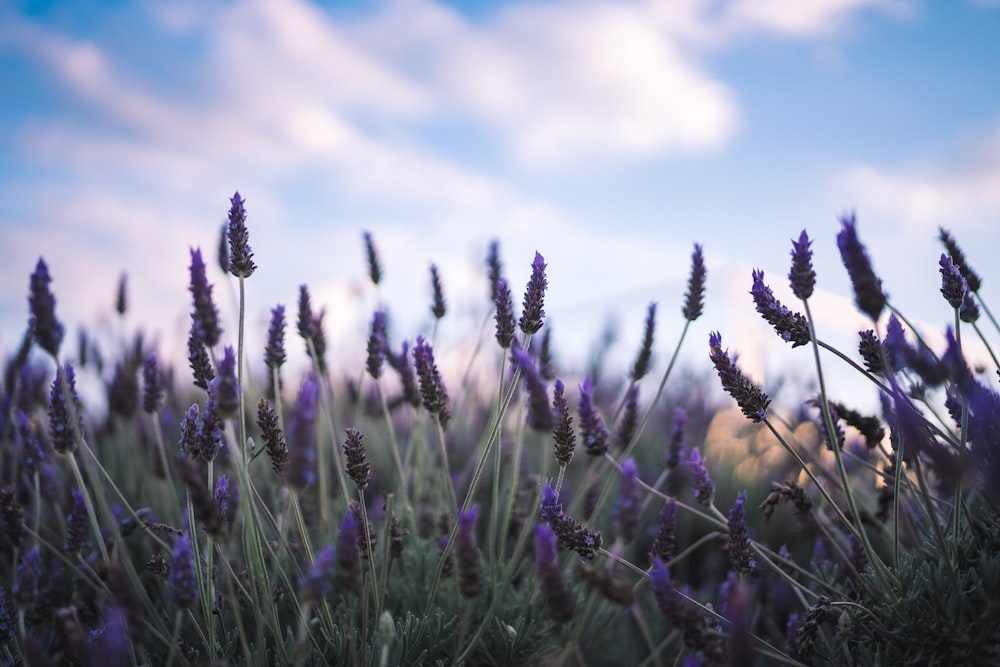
46,329
642,360
227,495
377,345
302,436
348,551
792,327
470,574
677,436
559,601
801,276
954,287
868,294
240,256
274,438
751,399
571,533
494,267
121,295
315,583
503,304
76,522
593,433
629,419
539,411
665,543
310,328
564,435
739,543
870,349
358,468
183,578
205,316
201,365
226,386
374,267
629,503
152,385
532,313
432,390
274,353
701,482
63,403
695,295
438,308
958,257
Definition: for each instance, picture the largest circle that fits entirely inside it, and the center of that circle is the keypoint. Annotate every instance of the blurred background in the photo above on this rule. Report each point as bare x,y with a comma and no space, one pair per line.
608,136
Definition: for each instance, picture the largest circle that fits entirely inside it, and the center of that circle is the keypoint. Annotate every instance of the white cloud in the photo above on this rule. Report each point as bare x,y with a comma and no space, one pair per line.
792,18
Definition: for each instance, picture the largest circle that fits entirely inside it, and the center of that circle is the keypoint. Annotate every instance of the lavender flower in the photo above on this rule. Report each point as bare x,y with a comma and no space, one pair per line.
676,443
958,257
503,304
348,552
274,438
227,495
572,534
315,583
76,523
61,409
301,433
792,327
593,433
868,294
802,633
400,363
751,399
954,287
201,365
123,390
470,573
546,364
564,435
210,434
121,300
205,316
642,360
432,391
190,439
31,454
740,555
203,502
870,349
222,248
665,543
152,385
559,601
630,417
494,268
629,504
240,256
534,298
226,386
801,276
28,577
539,411
374,268
12,517
969,311
274,352
701,482
695,295
667,598
310,328
358,468
183,578
46,329
377,345
438,309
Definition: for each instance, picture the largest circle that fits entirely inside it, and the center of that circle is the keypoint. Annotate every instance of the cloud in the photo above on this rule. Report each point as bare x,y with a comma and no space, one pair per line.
802,20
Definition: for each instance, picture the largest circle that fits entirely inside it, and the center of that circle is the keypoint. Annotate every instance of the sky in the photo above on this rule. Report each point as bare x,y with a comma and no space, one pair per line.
610,136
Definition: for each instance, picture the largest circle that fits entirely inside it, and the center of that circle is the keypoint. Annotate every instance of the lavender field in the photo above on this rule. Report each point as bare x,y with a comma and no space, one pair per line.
389,513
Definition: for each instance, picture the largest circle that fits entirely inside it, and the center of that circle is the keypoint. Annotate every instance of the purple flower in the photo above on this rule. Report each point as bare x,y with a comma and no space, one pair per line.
958,257
401,364
274,353
470,574
868,294
676,443
183,578
240,256
532,313
751,399
870,349
564,435
701,482
12,517
546,364
630,417
695,295
190,424
438,309
559,600
310,328
539,411
740,556
121,301
301,433
226,386
227,495
203,502
593,433
201,365
76,523
494,268
571,533
377,345
665,543
358,468
432,391
792,327
969,311
374,268
629,504
31,454
642,360
503,304
315,583
61,409
801,276
274,438
667,598
954,287
152,385
46,329
205,316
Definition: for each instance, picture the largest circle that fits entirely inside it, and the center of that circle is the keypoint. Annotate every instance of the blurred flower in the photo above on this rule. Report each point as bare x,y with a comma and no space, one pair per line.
374,267
958,257
539,410
695,295
205,316
377,345
432,391
438,308
953,285
593,433
348,552
629,503
61,407
740,555
470,574
701,482
640,367
76,523
665,543
226,386
227,495
494,268
310,328
504,316
302,435
629,419
46,330
152,385
183,578
315,583
274,352
559,601
868,294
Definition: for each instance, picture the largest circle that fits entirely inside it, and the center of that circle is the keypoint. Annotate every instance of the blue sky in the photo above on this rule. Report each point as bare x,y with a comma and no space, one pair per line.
609,136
